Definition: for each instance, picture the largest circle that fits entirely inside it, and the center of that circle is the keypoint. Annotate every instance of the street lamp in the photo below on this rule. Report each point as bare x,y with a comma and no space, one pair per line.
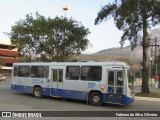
65,9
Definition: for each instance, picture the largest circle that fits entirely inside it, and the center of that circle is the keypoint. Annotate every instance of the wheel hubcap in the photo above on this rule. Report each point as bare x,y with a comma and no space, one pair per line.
37,93
96,99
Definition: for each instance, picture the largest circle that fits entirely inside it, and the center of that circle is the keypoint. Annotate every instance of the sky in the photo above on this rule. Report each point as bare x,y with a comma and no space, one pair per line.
102,36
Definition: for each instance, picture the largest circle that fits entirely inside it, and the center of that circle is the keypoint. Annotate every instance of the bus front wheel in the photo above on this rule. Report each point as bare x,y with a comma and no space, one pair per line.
37,92
96,99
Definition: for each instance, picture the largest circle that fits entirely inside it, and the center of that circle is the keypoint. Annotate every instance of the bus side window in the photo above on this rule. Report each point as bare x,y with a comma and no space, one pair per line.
23,71
37,71
46,71
72,72
15,71
91,73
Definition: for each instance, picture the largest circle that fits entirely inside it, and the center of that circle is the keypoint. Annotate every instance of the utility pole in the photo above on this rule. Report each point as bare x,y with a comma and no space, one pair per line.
151,69
156,72
155,55
156,77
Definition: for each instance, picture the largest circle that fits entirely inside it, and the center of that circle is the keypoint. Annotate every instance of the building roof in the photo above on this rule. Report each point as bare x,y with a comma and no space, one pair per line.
9,53
5,68
8,60
6,46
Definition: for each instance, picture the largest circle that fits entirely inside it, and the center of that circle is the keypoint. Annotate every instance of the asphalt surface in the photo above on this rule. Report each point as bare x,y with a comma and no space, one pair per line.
16,101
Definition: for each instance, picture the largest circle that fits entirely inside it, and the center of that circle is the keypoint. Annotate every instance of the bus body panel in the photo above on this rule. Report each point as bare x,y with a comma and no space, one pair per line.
57,84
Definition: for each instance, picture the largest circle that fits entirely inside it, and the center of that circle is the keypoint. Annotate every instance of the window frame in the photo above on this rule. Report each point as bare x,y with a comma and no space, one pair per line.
25,66
70,78
91,78
15,73
46,72
36,75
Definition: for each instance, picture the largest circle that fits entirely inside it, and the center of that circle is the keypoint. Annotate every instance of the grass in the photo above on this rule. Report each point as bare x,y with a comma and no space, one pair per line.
151,94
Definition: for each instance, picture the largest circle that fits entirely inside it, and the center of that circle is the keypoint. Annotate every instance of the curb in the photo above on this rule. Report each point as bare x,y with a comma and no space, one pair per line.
147,99
158,90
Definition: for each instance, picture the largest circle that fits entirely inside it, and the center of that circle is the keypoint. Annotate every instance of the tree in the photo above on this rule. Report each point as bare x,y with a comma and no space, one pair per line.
46,39
134,17
2,64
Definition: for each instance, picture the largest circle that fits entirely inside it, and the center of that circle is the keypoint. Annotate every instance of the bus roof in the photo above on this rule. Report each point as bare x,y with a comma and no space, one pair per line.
73,63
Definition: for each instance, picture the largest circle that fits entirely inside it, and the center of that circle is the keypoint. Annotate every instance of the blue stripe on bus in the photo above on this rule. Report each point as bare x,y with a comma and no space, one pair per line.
79,95
53,92
125,100
21,88
72,94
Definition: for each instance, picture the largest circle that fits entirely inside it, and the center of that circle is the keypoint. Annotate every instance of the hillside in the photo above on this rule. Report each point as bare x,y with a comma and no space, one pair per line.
134,56
118,54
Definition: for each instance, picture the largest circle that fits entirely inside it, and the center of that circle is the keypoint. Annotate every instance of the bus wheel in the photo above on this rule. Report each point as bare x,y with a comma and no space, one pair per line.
96,99
37,92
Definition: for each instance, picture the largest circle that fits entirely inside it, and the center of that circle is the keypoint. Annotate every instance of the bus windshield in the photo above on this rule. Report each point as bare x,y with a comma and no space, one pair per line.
130,79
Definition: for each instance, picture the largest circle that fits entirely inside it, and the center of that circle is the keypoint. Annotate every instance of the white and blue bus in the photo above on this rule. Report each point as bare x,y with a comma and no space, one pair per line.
94,82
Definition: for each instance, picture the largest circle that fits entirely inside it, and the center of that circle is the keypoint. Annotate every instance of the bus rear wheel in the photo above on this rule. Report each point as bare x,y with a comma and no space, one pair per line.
96,99
37,92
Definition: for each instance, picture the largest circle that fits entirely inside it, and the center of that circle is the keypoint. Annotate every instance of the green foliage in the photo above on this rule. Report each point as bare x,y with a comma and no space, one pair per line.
151,95
134,17
130,15
137,74
46,39
2,64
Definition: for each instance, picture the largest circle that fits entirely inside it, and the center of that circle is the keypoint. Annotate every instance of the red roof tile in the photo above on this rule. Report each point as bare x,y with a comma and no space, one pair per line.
8,60
5,52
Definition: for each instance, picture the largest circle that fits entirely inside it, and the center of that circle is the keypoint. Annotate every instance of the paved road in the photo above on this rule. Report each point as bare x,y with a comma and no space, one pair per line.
15,101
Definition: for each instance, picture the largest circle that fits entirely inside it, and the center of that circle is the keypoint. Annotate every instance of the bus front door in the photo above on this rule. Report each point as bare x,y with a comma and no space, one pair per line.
115,86
56,84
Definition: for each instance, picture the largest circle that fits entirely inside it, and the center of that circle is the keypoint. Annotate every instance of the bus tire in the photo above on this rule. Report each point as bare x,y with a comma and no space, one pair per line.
37,92
95,99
